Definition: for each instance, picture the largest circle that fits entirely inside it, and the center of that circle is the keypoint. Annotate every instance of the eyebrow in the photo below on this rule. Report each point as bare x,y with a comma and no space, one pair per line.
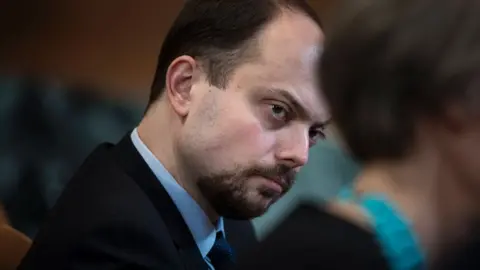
298,107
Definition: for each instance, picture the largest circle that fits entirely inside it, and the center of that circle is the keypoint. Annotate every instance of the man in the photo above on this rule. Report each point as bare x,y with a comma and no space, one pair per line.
233,111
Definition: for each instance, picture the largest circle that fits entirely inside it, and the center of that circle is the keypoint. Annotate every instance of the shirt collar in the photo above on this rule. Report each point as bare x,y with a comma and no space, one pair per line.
203,231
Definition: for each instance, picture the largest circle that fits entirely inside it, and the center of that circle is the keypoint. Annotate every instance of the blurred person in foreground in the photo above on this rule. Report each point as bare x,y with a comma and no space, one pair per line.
231,118
402,82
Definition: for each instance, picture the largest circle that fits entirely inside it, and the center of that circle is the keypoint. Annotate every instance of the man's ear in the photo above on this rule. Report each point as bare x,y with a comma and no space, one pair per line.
179,81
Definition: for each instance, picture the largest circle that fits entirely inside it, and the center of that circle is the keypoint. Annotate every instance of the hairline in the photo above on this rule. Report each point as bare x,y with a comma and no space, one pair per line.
247,52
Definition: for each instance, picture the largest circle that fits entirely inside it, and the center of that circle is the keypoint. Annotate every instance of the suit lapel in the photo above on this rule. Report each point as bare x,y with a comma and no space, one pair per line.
241,235
131,162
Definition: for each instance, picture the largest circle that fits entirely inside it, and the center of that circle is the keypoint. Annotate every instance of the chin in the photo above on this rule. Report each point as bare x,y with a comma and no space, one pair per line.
242,215
259,208
248,210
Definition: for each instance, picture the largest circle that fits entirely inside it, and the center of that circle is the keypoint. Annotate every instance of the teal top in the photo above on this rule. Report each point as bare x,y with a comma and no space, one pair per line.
393,231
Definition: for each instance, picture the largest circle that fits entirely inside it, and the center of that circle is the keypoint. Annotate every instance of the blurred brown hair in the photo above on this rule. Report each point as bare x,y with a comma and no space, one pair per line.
388,63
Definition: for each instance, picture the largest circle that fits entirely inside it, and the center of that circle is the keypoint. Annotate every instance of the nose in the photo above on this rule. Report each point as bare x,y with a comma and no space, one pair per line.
293,150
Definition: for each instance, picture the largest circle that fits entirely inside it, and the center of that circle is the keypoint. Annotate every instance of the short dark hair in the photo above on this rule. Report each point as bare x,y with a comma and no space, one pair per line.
388,63
220,34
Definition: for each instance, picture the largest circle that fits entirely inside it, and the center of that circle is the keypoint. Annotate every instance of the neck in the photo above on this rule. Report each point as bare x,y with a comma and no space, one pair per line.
425,190
157,132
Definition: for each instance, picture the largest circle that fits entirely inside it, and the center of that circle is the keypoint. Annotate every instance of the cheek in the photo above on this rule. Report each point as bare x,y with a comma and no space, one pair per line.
243,142
229,133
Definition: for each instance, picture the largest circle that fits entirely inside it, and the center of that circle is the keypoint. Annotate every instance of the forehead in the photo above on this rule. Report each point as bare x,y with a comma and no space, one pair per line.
289,49
292,37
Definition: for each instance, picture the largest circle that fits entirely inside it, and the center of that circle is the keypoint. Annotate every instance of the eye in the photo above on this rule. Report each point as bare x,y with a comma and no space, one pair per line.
279,112
316,134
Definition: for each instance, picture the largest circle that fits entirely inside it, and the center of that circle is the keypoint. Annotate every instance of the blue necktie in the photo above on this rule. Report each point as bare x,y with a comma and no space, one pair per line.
221,255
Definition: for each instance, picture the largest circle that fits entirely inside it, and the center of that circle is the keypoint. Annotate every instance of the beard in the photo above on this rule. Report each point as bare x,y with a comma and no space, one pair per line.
230,195
229,188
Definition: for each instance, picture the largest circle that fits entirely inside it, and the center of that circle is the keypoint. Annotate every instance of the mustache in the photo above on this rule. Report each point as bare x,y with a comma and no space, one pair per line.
282,172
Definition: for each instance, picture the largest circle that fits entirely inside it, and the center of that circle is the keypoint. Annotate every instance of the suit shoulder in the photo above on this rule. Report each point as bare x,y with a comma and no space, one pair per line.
102,194
101,213
103,245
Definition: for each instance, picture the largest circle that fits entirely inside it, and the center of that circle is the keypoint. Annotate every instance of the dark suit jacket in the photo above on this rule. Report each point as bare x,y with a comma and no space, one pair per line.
311,238
115,214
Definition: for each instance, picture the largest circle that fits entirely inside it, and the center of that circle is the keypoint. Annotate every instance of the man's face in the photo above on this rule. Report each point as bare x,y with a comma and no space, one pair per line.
244,144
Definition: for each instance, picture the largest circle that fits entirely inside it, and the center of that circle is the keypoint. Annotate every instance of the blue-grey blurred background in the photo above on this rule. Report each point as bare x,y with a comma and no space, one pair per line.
328,169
